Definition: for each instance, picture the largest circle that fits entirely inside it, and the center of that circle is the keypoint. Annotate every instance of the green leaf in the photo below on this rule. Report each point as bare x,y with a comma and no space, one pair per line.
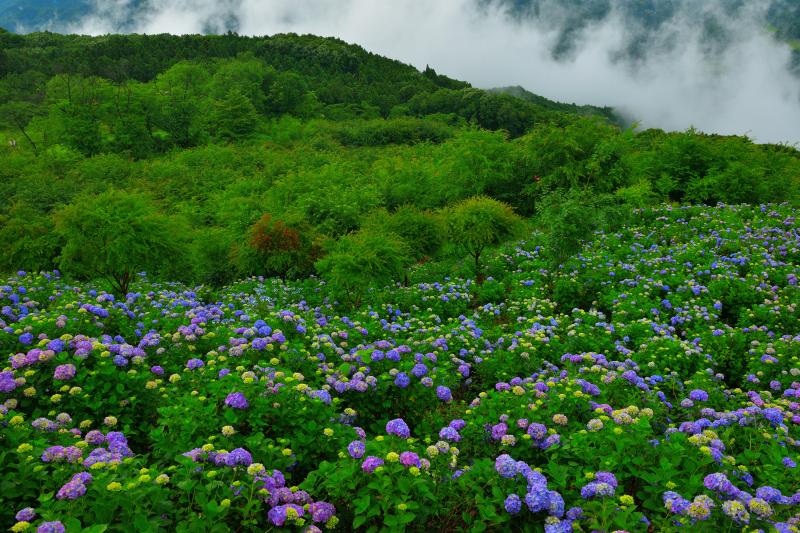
361,504
359,521
99,528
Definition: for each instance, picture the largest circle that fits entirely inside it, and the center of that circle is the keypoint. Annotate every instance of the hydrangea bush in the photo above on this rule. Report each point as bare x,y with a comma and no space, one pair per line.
650,383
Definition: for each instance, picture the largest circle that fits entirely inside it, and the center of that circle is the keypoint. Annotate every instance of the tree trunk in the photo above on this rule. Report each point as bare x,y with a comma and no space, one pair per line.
123,283
478,272
35,149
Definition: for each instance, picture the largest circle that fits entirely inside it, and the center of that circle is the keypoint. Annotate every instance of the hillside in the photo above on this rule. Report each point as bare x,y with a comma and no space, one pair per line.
263,156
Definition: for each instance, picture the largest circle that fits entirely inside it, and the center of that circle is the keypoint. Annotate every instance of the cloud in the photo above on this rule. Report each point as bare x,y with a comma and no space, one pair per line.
734,80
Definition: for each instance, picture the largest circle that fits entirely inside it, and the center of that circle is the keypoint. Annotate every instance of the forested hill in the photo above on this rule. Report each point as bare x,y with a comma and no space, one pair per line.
291,155
344,77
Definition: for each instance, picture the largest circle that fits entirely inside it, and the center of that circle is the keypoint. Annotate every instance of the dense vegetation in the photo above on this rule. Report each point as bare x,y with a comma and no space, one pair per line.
283,282
284,156
650,384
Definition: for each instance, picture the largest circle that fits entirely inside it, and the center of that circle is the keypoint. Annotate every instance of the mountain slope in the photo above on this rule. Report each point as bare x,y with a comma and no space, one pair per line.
338,73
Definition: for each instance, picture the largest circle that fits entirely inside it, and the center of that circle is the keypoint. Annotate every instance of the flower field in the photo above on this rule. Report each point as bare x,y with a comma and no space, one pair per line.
650,384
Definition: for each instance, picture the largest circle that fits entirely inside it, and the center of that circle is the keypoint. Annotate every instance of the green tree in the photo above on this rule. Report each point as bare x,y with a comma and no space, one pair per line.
423,231
362,260
478,222
286,93
30,243
17,115
234,117
572,216
116,234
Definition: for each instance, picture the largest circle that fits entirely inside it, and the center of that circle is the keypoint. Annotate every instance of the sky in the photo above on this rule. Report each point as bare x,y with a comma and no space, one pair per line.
744,87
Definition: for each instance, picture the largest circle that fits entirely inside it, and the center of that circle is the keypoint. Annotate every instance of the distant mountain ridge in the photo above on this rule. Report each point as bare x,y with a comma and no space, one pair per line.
524,94
40,15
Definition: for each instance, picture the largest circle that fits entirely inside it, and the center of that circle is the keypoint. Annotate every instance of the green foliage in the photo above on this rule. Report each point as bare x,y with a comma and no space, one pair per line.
479,222
116,235
405,130
234,117
422,231
362,260
30,241
570,218
320,134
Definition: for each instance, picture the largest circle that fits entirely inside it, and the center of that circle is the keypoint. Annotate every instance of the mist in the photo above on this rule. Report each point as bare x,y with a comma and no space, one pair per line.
740,84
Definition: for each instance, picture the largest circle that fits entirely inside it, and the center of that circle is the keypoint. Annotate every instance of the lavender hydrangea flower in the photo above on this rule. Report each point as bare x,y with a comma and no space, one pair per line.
675,503
537,500
450,434
419,370
321,511
72,490
409,459
64,372
193,364
239,457
51,527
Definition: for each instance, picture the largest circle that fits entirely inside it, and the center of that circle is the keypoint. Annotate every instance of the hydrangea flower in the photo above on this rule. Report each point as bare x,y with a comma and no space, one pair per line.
443,393
398,427
236,400
371,463
506,466
64,372
356,449
513,504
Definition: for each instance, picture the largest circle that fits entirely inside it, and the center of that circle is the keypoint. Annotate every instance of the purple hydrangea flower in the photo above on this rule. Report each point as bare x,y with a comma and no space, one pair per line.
398,427
26,515
450,434
236,400
51,527
402,380
443,393
513,504
371,463
506,466
195,363
71,491
698,395
239,457
537,500
409,459
356,449
321,511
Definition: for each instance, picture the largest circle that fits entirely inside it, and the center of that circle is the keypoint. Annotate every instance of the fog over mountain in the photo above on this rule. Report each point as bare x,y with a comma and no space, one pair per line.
723,66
